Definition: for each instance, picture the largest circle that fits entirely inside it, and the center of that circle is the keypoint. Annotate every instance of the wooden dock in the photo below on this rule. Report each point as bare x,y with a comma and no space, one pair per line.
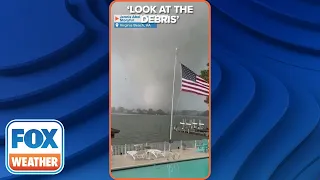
192,127
192,131
119,162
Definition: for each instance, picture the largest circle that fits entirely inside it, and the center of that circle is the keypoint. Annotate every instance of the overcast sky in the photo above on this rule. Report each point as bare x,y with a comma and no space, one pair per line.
143,60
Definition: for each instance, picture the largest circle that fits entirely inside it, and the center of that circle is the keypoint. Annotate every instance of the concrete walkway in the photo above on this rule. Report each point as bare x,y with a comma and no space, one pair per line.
126,161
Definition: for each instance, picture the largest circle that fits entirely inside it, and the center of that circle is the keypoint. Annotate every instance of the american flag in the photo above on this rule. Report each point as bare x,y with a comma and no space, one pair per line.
193,83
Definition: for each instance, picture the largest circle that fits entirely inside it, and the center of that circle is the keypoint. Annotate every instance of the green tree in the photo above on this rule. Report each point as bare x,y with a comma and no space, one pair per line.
139,111
121,109
205,113
150,111
205,75
160,112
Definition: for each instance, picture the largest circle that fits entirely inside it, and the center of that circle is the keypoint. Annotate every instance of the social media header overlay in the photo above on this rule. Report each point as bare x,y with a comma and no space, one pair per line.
153,19
150,16
134,25
34,146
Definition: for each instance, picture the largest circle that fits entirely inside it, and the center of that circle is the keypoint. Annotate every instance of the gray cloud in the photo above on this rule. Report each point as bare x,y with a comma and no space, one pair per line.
143,60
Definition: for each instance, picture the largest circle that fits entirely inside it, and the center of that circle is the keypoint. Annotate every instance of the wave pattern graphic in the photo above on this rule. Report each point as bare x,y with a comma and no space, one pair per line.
54,64
270,128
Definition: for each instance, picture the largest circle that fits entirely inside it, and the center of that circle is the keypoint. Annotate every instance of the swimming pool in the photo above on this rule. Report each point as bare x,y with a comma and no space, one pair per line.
197,168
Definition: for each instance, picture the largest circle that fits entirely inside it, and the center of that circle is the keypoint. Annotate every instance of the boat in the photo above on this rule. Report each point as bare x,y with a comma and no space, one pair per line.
114,131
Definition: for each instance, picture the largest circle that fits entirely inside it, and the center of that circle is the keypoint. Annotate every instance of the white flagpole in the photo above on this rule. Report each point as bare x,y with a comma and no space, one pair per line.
172,97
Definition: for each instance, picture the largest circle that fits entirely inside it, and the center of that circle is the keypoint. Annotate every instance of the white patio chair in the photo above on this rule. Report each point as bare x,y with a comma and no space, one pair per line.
137,154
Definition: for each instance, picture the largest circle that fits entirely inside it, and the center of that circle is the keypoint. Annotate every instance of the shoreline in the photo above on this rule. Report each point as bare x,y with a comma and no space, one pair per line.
157,115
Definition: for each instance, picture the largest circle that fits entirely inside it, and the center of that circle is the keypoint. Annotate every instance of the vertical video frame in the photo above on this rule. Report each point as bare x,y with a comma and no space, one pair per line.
159,89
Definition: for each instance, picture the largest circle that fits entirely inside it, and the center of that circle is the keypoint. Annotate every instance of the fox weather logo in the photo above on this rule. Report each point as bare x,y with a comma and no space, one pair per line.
34,146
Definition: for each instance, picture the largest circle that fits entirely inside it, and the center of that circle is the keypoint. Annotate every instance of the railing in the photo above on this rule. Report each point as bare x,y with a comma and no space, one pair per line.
164,146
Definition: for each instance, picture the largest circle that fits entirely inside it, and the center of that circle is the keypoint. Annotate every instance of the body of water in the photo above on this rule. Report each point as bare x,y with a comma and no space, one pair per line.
135,129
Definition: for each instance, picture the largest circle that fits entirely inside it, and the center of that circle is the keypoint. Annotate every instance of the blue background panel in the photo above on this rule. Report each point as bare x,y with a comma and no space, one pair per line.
265,92
276,135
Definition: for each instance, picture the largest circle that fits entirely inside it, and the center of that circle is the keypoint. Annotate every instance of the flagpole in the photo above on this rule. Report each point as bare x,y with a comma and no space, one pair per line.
172,97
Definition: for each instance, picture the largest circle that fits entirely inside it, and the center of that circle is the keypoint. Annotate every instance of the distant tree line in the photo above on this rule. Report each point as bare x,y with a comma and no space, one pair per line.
123,110
205,75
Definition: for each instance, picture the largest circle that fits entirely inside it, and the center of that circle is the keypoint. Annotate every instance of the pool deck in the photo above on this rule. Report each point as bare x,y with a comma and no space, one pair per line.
119,162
